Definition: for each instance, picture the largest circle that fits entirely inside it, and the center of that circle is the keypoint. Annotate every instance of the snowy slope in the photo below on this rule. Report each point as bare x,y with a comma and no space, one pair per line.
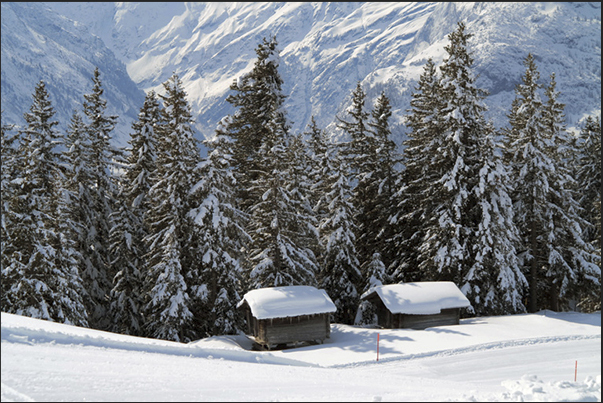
528,357
39,44
328,47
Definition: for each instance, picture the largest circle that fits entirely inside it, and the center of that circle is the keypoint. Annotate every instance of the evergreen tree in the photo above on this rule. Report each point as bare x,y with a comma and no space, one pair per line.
495,283
125,296
360,152
318,171
571,262
8,156
445,252
416,182
171,266
98,273
128,229
220,228
256,96
41,278
384,176
589,178
589,183
279,219
554,254
340,270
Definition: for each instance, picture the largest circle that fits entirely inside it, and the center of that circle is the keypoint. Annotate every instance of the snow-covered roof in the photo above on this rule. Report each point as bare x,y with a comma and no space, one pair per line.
285,302
421,298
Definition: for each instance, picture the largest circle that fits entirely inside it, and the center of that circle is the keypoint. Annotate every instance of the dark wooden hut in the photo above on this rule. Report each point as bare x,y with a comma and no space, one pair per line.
417,305
282,315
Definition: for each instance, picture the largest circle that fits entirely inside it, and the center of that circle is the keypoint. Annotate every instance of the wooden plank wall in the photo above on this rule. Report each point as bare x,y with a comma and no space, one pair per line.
289,330
445,318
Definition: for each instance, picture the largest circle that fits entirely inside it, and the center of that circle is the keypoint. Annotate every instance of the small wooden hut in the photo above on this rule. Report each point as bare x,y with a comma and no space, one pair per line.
417,305
281,315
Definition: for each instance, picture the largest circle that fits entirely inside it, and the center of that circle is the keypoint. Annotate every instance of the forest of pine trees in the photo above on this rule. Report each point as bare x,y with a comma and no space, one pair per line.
153,240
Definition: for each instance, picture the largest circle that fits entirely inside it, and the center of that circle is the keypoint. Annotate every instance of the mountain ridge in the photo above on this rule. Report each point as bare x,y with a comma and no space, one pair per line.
326,48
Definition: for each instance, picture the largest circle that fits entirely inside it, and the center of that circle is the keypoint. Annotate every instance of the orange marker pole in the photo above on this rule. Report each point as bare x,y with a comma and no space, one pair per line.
576,371
378,347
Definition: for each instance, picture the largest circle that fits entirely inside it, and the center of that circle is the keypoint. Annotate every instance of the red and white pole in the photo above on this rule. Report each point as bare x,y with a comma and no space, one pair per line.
576,371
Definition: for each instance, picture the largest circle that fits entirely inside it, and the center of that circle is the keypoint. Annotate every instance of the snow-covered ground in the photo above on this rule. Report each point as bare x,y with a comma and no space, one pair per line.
529,357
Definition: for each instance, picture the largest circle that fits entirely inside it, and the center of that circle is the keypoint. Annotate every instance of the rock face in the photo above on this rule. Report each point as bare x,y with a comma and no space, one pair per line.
326,48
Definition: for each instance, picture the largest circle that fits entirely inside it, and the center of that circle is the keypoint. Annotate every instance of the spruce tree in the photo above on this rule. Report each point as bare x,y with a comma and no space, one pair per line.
318,171
220,230
125,296
280,222
128,229
384,175
171,267
416,182
589,183
98,272
445,252
360,152
589,178
572,268
494,284
41,278
554,256
8,161
256,96
340,269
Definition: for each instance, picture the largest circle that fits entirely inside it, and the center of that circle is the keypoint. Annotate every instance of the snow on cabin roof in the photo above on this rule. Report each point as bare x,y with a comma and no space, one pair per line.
421,298
285,302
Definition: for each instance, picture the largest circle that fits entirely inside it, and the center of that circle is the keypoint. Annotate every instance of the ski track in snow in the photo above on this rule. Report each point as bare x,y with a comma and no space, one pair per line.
471,349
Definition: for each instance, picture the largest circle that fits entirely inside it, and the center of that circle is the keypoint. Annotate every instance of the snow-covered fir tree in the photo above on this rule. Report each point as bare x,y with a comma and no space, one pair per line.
318,171
495,283
384,175
41,279
256,95
98,273
445,252
124,307
589,183
375,275
340,269
573,271
128,229
301,194
279,219
8,161
220,231
170,268
360,151
589,177
554,254
77,185
416,181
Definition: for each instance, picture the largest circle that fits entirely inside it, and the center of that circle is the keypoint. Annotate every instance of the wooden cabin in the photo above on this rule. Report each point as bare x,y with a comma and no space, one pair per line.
417,305
282,315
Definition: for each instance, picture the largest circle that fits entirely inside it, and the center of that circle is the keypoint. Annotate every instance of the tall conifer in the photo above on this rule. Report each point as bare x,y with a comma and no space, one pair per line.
171,267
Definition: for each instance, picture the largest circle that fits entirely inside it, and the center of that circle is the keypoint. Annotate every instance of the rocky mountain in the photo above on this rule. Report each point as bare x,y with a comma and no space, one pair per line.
40,44
326,48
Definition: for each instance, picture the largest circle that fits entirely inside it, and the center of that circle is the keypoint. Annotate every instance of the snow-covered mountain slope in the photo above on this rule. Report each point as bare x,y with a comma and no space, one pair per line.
529,357
326,48
39,44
